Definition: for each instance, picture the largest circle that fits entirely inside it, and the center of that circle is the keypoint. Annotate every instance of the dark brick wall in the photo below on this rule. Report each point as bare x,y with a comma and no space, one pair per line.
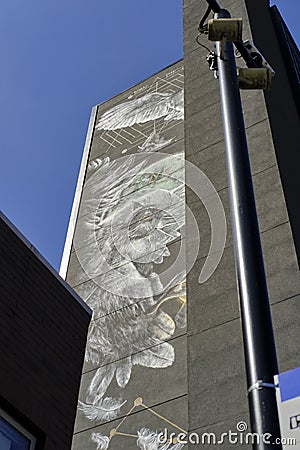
42,334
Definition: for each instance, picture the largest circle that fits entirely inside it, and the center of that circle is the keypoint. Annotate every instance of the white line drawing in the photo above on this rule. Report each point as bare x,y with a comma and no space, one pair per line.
133,210
145,438
151,106
129,233
168,86
139,216
154,143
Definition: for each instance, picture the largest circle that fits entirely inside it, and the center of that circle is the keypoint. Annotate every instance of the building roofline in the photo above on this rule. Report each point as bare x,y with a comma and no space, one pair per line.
41,258
82,174
77,196
140,82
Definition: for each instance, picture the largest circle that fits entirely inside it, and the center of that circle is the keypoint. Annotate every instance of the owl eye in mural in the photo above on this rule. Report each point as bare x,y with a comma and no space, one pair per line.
155,105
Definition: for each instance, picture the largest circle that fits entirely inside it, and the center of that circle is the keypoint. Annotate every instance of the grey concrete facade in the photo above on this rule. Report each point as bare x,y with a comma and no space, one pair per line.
216,374
190,376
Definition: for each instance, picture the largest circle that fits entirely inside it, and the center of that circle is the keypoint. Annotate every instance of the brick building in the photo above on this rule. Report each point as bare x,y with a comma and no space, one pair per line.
43,327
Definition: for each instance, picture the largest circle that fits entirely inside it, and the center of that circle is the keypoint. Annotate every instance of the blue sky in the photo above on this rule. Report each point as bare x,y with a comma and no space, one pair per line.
58,59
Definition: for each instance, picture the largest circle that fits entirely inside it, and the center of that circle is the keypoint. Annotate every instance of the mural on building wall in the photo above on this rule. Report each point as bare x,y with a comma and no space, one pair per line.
145,116
145,438
130,244
155,105
139,216
131,217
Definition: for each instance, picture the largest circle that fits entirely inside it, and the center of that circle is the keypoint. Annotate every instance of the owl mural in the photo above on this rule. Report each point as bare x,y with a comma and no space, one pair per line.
139,216
133,210
130,243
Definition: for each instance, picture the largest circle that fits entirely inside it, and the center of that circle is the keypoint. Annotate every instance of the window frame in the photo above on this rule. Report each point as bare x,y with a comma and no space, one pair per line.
19,428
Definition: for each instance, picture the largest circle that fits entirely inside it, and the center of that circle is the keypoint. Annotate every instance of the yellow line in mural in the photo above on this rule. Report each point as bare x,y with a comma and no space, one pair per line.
124,418
115,137
127,435
138,131
130,134
167,82
105,140
164,418
139,402
125,139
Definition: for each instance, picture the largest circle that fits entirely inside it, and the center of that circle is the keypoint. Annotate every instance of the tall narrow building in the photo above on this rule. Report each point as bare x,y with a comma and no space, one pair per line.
149,246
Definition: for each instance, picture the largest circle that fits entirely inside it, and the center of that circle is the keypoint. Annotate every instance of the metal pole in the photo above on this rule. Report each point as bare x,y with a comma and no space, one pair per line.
259,346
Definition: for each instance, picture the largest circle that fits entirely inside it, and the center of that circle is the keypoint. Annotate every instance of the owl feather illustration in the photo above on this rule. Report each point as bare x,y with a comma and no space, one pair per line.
152,106
127,329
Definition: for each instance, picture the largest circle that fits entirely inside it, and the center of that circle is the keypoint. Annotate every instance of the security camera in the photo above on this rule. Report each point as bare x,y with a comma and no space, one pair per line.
257,56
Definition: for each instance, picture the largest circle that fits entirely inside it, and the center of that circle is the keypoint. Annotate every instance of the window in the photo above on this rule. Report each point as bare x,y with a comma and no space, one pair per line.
13,436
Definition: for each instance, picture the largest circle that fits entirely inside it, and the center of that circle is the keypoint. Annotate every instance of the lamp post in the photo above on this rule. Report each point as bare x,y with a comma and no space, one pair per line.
259,345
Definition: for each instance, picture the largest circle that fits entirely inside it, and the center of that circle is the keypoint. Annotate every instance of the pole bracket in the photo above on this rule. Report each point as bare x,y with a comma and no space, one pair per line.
259,384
